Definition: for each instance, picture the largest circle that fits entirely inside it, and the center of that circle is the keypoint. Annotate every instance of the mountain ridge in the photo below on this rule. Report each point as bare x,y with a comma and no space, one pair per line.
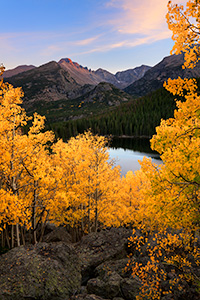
17,70
153,79
68,90
83,75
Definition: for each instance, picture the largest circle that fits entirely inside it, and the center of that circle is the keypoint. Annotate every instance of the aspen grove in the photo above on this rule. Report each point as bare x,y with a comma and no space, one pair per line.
75,184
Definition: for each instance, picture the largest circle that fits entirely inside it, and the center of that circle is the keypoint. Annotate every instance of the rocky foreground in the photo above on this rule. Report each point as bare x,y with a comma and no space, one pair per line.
58,269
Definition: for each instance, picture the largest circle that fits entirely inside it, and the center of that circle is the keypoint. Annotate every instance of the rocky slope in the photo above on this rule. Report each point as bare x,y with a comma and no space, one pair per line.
92,269
92,101
108,77
84,76
129,76
44,271
52,91
17,70
105,93
66,90
81,74
48,82
169,67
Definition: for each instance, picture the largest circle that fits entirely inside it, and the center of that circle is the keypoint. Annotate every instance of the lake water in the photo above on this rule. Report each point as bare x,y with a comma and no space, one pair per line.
127,151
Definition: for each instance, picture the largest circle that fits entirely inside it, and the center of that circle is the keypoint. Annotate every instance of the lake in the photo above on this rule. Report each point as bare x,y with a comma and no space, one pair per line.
127,151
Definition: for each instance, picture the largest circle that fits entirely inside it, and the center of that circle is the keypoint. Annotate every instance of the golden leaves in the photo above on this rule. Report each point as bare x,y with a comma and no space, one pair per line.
185,26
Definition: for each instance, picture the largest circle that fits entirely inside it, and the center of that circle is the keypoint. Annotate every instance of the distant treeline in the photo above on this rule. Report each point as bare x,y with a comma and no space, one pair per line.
136,118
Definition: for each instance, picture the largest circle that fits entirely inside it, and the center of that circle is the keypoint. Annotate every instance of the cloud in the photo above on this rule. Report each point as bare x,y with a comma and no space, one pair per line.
86,42
139,17
118,24
129,43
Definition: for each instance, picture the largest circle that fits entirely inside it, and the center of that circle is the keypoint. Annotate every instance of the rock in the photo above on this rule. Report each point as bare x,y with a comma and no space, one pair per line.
44,271
96,248
130,288
58,234
93,297
117,266
108,287
87,297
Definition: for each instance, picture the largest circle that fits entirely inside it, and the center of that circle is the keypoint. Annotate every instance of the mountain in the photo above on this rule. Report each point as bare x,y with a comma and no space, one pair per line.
65,90
48,82
169,67
17,70
52,91
107,77
105,94
93,101
84,76
129,76
81,74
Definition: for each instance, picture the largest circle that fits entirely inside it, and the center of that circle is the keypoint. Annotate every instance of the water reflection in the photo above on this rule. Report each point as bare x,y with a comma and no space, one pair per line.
127,152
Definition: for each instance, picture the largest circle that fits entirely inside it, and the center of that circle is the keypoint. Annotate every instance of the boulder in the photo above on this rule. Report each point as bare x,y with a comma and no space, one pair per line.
130,288
117,266
96,248
58,234
88,297
43,271
108,287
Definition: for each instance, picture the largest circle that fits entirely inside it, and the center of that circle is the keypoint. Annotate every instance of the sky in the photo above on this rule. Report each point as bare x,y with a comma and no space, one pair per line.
115,35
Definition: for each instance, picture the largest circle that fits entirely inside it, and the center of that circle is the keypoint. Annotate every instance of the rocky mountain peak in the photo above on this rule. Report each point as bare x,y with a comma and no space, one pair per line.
68,60
72,63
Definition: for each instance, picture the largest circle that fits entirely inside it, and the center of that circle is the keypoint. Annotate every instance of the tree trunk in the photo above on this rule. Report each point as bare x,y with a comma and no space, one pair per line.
7,237
89,221
2,239
34,213
22,235
12,236
17,235
96,210
43,225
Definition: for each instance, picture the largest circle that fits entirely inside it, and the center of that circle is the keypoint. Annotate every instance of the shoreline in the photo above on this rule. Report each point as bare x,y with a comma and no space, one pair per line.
132,136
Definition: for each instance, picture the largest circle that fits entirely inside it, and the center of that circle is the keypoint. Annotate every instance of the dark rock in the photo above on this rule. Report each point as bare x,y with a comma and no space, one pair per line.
130,288
96,248
108,287
87,297
117,266
93,297
58,234
44,271
83,290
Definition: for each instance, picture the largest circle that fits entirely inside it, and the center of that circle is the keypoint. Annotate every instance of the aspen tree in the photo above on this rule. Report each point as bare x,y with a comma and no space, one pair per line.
173,196
87,179
12,118
39,179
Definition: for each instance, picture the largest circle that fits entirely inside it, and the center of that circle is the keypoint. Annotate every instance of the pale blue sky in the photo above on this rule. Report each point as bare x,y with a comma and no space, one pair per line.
112,34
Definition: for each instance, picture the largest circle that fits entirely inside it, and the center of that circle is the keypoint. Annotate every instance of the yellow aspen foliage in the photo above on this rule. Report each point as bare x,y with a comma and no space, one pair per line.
88,180
172,197
178,142
167,269
184,22
133,198
10,210
39,182
27,187
12,117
